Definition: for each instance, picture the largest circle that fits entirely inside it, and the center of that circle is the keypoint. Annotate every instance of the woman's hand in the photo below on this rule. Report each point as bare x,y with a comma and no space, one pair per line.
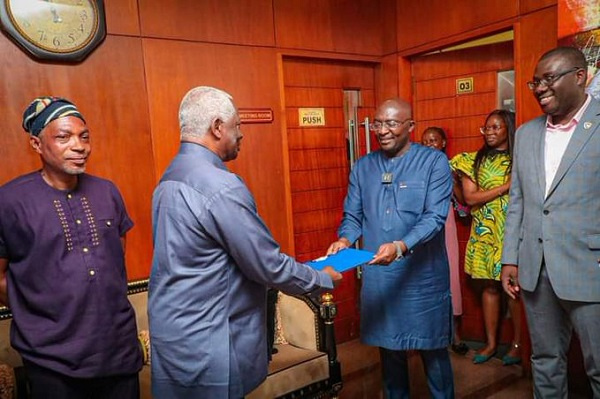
474,196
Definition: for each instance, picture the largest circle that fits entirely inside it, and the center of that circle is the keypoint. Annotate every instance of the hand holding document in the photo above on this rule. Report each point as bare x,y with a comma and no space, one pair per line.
343,260
336,277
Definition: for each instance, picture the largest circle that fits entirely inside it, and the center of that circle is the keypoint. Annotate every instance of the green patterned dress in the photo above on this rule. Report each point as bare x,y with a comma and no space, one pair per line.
484,248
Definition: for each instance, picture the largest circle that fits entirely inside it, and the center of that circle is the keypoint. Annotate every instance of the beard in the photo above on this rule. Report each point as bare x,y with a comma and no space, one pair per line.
74,171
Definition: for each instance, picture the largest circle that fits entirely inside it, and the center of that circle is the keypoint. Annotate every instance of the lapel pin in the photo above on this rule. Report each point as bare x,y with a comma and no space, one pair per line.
587,125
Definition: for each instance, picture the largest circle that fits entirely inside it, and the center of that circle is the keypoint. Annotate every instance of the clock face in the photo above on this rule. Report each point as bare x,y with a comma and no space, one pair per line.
57,26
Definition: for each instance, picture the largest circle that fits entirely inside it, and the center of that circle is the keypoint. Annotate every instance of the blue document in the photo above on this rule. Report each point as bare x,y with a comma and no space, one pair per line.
345,259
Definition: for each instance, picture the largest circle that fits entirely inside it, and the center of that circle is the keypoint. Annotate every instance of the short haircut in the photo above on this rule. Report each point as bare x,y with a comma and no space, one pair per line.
438,130
573,54
200,107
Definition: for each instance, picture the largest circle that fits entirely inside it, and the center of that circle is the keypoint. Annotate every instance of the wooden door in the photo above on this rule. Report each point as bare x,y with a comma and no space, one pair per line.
319,166
436,103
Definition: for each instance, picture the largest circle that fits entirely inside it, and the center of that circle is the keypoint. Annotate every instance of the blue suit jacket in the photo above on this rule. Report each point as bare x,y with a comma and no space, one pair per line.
563,228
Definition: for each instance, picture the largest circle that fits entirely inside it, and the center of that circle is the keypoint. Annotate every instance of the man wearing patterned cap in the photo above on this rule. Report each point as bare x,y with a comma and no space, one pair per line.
62,267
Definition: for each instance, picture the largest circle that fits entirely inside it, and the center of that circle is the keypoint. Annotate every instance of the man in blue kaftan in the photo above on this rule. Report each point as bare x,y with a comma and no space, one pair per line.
213,261
398,200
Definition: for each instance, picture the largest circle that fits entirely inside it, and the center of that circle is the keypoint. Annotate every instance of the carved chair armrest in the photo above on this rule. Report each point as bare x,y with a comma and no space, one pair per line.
309,323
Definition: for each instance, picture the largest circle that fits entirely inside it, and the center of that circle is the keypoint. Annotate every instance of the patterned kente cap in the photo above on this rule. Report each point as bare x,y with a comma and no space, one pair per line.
44,110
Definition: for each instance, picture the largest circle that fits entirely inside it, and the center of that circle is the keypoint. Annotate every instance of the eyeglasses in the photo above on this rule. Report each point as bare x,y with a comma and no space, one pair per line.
549,80
494,128
390,124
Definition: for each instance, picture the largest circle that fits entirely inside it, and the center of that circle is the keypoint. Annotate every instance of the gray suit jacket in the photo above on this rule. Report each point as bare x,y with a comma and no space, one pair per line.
564,228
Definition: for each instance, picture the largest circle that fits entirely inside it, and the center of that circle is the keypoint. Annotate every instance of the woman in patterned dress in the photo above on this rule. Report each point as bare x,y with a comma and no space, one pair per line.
485,182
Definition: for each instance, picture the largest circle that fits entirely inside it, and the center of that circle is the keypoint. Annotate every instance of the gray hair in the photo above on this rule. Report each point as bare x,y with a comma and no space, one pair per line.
200,107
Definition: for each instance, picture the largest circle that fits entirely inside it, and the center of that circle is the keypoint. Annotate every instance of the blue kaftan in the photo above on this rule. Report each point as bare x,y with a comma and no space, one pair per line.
213,260
407,304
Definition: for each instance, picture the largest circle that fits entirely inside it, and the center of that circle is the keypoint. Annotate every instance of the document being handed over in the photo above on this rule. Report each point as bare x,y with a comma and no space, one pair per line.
343,260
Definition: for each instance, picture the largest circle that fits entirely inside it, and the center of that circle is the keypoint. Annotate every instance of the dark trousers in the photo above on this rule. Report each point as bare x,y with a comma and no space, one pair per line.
45,383
438,369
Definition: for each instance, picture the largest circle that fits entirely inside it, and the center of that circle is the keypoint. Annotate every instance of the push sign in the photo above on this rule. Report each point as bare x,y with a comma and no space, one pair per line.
311,116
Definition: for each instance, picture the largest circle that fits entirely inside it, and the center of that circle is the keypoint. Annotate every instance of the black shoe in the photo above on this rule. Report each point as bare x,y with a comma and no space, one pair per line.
460,349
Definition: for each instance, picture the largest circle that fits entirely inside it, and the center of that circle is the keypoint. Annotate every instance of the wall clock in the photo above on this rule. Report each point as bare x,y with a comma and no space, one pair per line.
66,30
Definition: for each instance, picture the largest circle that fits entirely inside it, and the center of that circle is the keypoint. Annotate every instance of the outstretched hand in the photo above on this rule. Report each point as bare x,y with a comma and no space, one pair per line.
386,254
336,277
337,246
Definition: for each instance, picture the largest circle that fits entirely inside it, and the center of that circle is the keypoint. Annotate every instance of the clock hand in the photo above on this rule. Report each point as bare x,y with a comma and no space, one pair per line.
57,19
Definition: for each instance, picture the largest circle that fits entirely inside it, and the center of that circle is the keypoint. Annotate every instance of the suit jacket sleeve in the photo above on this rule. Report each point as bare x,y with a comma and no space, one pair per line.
234,223
514,216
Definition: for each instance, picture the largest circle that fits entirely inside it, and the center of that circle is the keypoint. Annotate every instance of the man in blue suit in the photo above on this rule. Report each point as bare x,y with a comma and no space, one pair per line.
551,253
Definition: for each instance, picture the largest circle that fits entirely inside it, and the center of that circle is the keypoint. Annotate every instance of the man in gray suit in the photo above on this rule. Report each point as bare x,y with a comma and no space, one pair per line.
552,236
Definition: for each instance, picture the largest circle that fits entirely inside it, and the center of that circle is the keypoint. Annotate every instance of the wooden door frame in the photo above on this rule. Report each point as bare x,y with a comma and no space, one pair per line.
309,56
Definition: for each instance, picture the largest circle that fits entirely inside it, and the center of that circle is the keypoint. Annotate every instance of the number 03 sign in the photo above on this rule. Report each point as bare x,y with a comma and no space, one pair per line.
464,85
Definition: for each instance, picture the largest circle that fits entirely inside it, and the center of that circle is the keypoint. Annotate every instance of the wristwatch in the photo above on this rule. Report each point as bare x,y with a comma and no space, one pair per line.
399,254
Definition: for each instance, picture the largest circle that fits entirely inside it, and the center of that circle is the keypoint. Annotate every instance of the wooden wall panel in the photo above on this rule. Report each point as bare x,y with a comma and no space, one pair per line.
405,79
304,201
368,96
535,34
387,23
20,83
304,138
250,76
317,220
421,22
437,108
434,89
308,96
324,73
325,158
386,78
114,103
306,24
472,60
527,6
462,105
318,179
216,21
122,17
476,104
